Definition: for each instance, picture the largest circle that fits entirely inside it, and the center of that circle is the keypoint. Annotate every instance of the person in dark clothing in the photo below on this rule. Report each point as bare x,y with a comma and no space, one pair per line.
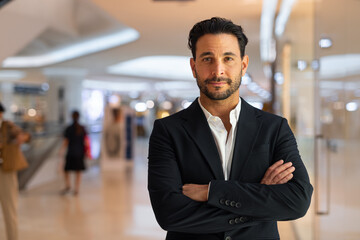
74,141
221,168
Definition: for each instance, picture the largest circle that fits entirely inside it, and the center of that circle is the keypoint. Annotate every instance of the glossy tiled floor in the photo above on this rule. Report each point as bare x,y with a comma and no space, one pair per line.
112,204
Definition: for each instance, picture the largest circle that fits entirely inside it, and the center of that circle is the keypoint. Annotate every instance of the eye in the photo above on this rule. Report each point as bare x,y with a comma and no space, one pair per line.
228,59
206,59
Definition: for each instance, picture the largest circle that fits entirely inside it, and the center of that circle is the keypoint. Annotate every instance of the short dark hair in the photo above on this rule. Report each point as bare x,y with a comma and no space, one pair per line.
216,25
75,115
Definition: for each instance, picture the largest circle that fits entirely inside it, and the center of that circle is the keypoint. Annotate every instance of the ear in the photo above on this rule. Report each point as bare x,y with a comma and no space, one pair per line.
192,64
244,64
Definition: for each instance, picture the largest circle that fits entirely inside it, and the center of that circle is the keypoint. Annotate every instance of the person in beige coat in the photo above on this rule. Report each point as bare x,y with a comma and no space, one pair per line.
8,178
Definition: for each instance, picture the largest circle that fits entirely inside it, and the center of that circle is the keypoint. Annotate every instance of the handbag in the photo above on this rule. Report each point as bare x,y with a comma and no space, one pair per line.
87,145
13,158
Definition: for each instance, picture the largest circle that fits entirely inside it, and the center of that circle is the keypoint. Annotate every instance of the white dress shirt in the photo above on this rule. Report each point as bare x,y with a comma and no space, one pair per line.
225,142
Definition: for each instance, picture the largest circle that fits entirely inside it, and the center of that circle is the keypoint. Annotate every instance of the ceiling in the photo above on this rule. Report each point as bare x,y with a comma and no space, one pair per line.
36,27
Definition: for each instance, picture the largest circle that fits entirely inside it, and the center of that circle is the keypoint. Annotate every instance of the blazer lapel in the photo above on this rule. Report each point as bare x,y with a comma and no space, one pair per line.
198,129
247,131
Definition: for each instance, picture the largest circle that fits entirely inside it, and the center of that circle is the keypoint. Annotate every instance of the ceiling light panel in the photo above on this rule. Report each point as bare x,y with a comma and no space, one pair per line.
160,67
79,49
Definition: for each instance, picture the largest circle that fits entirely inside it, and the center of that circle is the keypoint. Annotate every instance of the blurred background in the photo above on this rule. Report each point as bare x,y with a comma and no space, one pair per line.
97,55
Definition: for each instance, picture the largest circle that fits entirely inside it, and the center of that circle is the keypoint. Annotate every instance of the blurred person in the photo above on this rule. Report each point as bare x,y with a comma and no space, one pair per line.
222,169
75,144
11,161
114,135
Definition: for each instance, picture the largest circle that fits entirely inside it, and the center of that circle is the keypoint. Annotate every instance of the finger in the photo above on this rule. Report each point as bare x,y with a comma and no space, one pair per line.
185,190
277,167
283,174
280,169
272,167
275,175
286,179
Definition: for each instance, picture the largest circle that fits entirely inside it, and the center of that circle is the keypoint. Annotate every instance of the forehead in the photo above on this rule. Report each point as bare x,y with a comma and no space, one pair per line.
216,43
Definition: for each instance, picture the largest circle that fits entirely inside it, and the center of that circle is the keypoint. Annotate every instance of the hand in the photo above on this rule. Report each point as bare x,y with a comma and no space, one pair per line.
196,192
278,173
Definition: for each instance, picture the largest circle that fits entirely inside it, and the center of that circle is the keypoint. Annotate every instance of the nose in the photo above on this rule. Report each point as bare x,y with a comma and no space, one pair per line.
218,69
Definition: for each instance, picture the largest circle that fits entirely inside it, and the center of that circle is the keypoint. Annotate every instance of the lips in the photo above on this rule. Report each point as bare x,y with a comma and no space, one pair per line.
217,84
218,81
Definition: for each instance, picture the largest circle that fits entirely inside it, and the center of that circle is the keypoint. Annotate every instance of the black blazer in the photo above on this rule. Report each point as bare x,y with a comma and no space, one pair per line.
182,150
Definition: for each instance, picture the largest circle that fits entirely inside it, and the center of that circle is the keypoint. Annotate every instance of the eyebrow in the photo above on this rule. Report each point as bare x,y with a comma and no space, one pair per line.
206,54
229,53
211,54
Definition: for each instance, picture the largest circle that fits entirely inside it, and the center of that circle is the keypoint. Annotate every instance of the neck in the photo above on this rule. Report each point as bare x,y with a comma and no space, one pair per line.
220,108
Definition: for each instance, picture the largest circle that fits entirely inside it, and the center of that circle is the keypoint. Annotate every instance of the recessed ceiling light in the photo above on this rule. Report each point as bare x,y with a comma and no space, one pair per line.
351,106
325,42
315,64
301,65
279,78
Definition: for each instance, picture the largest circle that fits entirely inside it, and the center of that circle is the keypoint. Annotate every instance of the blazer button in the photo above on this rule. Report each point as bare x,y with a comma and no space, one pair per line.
227,202
222,201
231,221
237,220
233,203
228,238
238,205
243,219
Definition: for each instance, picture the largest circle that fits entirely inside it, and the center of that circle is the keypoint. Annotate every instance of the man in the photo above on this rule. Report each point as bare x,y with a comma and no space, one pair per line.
10,134
222,169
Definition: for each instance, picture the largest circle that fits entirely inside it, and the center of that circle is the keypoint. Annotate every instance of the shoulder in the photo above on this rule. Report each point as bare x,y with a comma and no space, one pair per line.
266,117
173,121
249,108
192,112
270,116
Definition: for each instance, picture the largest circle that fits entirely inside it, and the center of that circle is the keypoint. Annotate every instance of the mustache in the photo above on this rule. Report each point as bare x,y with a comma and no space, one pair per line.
218,79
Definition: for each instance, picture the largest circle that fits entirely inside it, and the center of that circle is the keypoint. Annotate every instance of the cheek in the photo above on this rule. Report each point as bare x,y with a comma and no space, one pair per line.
202,72
236,72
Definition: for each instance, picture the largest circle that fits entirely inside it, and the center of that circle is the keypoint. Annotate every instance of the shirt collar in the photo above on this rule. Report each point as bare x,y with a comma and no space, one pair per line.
234,114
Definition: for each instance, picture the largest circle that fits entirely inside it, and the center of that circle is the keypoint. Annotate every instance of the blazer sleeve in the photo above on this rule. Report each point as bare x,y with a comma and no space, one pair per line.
268,202
173,210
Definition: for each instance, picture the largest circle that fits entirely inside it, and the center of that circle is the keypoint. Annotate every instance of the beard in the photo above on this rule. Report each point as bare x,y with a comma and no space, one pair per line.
219,95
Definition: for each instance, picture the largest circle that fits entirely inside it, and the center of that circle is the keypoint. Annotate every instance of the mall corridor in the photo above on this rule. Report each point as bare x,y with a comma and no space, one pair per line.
122,64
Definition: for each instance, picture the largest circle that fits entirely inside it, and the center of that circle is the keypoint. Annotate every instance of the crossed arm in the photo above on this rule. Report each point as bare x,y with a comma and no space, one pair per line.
278,173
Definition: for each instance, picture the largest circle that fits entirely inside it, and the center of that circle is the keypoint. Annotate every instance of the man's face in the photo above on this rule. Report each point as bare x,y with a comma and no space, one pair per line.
218,67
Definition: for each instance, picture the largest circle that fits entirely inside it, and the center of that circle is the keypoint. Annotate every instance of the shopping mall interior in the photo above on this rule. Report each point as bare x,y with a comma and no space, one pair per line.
95,56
